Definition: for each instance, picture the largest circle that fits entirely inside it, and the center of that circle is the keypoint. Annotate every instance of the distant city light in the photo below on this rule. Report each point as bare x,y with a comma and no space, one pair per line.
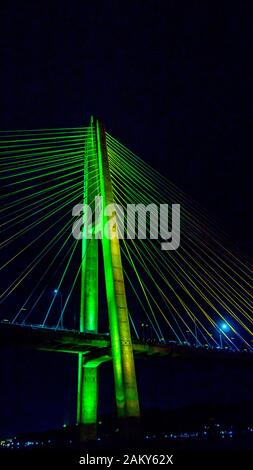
222,432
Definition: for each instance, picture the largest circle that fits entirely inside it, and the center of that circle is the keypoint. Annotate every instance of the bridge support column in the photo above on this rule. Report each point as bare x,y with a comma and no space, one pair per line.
89,398
121,343
89,403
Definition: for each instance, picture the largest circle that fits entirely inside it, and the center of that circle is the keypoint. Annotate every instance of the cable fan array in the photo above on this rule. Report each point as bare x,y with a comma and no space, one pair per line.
42,177
199,294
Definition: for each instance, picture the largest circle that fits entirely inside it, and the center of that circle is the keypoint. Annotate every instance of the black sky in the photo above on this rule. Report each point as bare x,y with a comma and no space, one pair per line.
171,79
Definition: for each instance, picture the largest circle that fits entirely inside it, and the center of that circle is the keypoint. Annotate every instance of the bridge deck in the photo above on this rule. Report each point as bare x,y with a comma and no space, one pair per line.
47,339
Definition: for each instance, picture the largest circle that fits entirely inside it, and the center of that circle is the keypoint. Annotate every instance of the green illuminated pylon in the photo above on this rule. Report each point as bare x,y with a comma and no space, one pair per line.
87,398
121,344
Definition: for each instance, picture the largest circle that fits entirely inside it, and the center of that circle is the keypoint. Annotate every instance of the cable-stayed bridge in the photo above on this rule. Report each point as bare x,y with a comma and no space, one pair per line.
111,296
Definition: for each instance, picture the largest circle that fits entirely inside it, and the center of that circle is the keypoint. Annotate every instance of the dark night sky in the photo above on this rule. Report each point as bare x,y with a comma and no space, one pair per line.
172,80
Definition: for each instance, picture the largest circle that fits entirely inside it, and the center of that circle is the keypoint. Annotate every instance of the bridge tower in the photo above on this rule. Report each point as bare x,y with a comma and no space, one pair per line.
97,181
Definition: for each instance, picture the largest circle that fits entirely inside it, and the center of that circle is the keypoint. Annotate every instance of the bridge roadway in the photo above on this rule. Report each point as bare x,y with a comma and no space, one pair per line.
96,345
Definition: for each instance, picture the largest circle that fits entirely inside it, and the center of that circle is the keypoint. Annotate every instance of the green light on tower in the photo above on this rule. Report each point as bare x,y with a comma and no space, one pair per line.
121,344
